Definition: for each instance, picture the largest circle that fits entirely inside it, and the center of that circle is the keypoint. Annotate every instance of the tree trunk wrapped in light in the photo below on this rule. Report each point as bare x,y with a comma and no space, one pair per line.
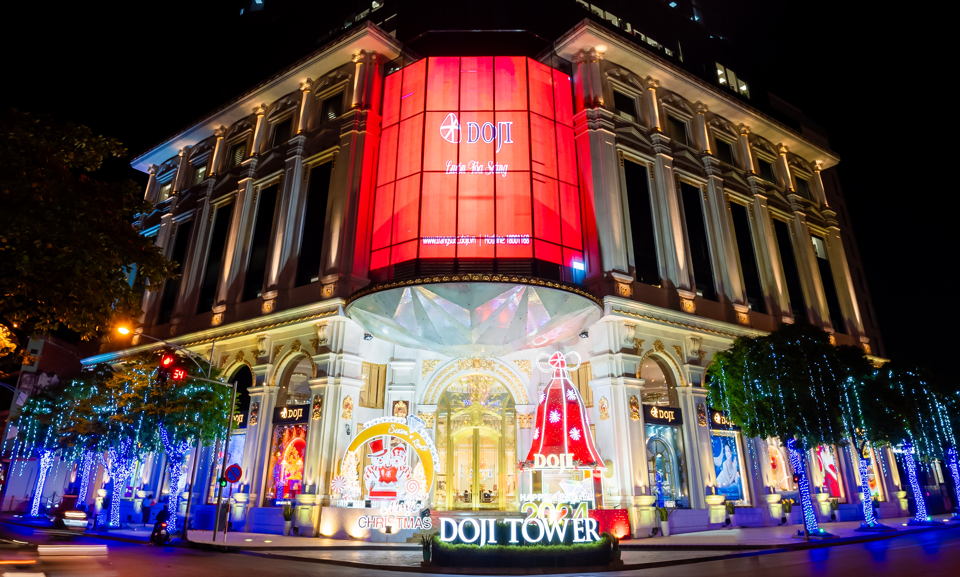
176,454
868,515
910,465
89,460
45,460
955,473
122,465
803,484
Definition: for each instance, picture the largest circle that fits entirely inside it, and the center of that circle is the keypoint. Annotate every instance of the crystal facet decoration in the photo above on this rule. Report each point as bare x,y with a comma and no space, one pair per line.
474,319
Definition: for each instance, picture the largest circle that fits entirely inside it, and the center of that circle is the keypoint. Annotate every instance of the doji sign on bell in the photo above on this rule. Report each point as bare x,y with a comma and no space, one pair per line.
451,131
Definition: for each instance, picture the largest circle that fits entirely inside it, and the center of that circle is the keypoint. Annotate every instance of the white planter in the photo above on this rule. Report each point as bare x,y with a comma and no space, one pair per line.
665,528
286,527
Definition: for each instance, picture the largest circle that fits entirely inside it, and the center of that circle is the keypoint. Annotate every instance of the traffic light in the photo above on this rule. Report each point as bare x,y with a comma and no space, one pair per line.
178,374
171,368
167,361
223,482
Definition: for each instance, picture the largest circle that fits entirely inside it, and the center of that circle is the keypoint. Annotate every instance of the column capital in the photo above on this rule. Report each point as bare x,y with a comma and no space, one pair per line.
364,57
651,83
220,132
260,110
183,151
782,149
587,55
306,85
701,107
152,169
817,165
744,129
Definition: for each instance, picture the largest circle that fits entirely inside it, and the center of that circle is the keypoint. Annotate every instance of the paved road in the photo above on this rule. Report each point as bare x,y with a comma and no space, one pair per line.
925,555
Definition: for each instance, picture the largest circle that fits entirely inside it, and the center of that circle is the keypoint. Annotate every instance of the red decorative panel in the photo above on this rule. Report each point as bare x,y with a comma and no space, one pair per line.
613,521
478,160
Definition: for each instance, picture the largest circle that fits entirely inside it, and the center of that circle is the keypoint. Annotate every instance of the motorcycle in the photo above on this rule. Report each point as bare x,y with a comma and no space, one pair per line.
160,535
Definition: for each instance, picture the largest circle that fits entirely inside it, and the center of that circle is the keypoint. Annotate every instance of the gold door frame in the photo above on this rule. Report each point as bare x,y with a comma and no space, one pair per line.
476,433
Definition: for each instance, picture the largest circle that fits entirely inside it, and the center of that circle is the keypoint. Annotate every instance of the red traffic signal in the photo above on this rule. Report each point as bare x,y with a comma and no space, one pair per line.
167,360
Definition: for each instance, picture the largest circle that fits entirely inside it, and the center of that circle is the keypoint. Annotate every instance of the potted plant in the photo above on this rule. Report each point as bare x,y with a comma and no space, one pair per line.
664,514
615,549
426,540
834,508
788,514
731,514
287,518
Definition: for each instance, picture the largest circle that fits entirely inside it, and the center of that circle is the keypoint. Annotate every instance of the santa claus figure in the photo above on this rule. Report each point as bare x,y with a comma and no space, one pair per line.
384,477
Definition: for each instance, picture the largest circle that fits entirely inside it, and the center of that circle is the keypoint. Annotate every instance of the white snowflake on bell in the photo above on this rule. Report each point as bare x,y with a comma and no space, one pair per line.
554,416
543,397
571,395
575,434
536,433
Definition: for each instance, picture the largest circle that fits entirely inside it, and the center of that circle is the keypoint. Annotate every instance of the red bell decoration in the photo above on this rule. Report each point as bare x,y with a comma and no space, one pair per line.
562,426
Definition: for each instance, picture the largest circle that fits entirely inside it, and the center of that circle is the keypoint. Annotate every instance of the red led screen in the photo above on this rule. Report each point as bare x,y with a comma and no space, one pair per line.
477,160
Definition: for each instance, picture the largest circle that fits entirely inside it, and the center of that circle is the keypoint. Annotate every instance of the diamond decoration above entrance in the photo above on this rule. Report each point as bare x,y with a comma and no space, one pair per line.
474,319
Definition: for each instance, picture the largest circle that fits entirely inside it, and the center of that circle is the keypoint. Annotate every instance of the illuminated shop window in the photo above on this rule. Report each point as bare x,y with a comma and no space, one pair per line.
285,471
826,471
477,162
234,457
665,456
374,379
625,105
728,465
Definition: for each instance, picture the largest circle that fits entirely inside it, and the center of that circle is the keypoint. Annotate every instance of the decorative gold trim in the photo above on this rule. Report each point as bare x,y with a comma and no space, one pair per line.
261,328
473,278
491,366
679,351
280,365
524,367
427,366
675,323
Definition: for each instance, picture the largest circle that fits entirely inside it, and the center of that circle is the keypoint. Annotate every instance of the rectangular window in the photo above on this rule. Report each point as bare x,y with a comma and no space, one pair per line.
641,223
237,153
581,379
283,131
211,272
677,130
790,272
722,74
169,298
748,261
697,237
374,379
260,245
625,105
164,192
803,187
311,243
332,107
829,286
766,171
199,173
724,151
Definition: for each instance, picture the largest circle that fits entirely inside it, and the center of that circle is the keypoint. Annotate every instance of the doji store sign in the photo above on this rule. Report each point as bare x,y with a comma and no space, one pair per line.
663,415
477,159
533,530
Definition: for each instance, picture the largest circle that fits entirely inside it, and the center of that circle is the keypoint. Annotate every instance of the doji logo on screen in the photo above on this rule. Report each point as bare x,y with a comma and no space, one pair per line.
500,133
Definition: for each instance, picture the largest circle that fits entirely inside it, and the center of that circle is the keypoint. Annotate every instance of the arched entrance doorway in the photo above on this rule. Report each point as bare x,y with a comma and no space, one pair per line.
477,443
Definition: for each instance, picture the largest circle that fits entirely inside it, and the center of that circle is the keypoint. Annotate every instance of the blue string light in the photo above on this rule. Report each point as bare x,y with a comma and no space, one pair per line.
45,460
796,459
88,460
868,515
660,501
954,472
921,515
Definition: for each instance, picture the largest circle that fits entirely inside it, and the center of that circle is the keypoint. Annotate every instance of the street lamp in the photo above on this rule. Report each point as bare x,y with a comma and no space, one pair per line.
123,330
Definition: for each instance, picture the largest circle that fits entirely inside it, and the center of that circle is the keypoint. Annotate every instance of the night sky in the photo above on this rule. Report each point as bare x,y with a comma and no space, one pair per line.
141,71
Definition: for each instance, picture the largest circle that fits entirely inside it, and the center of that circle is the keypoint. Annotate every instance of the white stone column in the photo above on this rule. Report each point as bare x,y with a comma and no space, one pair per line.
183,169
725,259
846,294
304,119
819,194
401,384
696,441
743,143
285,248
786,180
256,454
599,169
342,366
347,235
816,300
217,159
235,254
771,271
150,195
260,129
703,132
650,104
674,256
619,438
